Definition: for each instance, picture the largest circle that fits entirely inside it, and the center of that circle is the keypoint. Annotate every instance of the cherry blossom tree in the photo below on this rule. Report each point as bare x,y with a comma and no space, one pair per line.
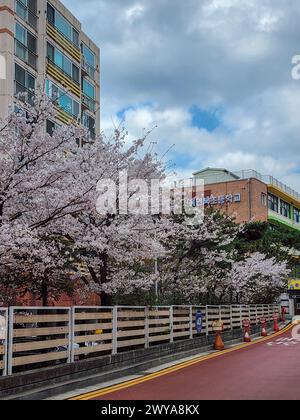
48,216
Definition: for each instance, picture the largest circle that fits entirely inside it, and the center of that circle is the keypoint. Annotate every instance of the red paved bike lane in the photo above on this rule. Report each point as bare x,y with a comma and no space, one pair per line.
258,372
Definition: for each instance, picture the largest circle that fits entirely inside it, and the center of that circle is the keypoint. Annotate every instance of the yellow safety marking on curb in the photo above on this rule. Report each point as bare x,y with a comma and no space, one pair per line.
129,384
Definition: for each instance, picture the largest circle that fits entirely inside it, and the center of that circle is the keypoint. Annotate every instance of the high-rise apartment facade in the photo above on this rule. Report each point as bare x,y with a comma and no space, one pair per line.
44,47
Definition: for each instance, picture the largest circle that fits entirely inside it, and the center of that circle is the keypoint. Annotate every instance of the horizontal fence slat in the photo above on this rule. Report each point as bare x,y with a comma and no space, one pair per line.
30,360
128,324
39,319
91,338
131,314
40,345
130,343
158,329
159,338
92,327
93,349
159,321
37,332
131,333
91,317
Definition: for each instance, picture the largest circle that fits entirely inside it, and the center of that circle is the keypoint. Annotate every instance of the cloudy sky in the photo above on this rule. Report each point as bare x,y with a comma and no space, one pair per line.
214,76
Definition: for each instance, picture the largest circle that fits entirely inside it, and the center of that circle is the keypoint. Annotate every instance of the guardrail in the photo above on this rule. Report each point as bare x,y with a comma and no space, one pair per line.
32,338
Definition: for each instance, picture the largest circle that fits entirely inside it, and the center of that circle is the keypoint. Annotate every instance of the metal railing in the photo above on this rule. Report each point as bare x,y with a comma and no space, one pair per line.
269,180
34,338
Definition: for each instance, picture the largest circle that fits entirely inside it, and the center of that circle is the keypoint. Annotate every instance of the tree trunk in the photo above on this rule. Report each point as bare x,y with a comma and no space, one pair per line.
44,293
106,300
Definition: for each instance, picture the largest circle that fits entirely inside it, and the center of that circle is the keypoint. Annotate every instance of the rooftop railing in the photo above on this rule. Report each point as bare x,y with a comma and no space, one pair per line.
269,180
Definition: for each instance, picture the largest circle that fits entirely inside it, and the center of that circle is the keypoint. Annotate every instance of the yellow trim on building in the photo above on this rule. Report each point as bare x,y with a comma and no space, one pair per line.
63,116
63,80
63,42
284,196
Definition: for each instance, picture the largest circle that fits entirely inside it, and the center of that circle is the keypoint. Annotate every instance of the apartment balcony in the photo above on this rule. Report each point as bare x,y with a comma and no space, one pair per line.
22,93
63,42
87,69
277,217
63,116
27,15
61,77
24,54
88,103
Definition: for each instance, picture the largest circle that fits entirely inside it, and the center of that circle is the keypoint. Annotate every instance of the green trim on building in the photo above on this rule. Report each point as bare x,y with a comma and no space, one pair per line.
282,222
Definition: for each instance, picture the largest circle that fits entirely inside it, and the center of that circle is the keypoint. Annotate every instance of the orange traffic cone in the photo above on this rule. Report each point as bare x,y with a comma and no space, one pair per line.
276,326
246,324
263,322
219,344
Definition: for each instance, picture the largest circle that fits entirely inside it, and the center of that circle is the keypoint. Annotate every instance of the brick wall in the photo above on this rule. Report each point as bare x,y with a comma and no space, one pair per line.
250,207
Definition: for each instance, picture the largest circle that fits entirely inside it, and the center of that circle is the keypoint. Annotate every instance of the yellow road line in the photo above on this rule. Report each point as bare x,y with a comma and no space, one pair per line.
129,384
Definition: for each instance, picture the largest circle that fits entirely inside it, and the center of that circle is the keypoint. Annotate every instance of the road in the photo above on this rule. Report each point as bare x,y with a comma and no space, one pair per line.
268,370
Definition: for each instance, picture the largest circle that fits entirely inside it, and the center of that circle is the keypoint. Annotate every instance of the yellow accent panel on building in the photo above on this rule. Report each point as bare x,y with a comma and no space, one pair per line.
63,116
63,80
64,43
284,196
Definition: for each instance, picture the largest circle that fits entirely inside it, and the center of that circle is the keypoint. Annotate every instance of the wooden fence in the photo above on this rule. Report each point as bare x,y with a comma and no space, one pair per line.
32,338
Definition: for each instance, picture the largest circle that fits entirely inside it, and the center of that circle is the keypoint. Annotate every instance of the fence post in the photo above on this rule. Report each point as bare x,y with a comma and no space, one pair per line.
241,316
115,331
207,321
10,341
191,323
147,327
171,324
4,372
231,318
72,334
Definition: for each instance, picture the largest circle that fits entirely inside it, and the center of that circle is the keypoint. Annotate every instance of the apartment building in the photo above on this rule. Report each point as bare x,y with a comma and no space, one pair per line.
45,48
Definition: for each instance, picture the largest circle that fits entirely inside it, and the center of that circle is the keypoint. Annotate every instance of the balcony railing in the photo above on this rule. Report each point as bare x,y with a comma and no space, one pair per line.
88,103
88,69
23,93
25,54
27,15
63,78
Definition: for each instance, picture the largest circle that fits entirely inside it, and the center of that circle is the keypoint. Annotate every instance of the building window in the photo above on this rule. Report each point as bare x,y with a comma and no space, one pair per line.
26,46
24,84
88,89
285,209
50,127
88,61
89,123
64,101
27,10
296,215
273,203
56,57
88,99
62,25
264,199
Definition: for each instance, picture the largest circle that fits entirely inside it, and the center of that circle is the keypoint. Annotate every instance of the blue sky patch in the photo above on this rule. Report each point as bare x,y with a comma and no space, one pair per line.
208,119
